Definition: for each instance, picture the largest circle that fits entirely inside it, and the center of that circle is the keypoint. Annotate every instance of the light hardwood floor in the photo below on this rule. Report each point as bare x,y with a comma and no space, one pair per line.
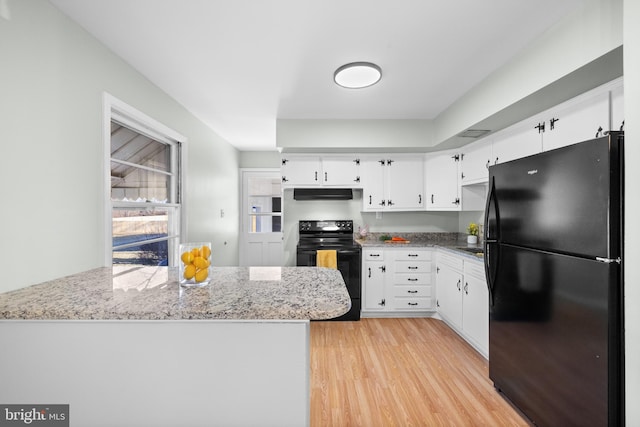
401,372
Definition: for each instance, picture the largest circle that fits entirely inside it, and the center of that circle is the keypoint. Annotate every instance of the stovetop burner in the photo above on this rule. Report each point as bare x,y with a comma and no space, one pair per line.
325,234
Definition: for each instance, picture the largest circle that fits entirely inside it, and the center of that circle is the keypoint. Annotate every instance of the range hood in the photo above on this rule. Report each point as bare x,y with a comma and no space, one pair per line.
322,194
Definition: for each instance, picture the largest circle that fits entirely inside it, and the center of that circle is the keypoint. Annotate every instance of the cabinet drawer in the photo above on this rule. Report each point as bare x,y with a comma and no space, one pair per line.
474,268
409,255
412,303
451,260
412,279
373,255
411,291
412,267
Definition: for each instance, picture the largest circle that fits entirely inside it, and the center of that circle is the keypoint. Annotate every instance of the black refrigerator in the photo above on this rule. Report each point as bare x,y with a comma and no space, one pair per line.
553,261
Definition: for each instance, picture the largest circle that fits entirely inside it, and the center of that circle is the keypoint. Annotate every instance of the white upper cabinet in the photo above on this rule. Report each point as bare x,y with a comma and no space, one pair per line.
475,159
372,172
341,171
442,181
521,140
301,171
319,170
579,119
617,106
392,182
406,183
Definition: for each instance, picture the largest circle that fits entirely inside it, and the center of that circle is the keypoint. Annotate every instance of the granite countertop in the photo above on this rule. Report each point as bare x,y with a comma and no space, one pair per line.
452,242
153,293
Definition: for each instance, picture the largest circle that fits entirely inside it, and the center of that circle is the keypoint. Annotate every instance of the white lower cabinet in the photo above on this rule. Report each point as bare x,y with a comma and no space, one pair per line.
397,281
463,298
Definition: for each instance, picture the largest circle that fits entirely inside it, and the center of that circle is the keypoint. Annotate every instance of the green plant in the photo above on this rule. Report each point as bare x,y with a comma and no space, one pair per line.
473,229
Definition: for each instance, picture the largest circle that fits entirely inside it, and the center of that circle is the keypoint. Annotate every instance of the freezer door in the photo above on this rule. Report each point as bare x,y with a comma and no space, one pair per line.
565,200
553,345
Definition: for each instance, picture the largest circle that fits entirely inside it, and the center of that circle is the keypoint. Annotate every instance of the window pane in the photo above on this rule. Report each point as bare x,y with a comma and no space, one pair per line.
156,253
133,147
135,225
132,183
265,224
264,194
133,228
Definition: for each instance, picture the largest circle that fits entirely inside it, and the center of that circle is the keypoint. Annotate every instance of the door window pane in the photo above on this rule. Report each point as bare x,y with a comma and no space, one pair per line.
265,205
265,224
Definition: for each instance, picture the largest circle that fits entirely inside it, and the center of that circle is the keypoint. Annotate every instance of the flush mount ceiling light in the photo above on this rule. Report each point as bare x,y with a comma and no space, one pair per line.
357,75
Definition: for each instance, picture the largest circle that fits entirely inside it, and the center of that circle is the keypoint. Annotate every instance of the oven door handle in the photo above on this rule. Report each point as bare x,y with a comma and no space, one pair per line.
338,251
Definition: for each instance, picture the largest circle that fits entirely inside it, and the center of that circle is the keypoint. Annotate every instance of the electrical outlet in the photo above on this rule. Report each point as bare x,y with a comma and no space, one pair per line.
221,213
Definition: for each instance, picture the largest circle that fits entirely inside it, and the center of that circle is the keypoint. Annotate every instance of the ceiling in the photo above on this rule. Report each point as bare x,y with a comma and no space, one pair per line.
239,65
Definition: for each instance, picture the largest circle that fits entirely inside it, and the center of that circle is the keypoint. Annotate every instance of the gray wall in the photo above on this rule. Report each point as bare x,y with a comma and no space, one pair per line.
260,159
52,77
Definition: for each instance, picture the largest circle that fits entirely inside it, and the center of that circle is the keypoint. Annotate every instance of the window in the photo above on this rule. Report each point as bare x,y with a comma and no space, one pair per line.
265,201
144,195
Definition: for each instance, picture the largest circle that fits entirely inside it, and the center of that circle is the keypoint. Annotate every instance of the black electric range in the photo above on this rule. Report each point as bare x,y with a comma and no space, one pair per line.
335,235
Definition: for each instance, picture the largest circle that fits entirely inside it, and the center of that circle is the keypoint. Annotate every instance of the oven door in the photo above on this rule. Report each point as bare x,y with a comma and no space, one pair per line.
349,264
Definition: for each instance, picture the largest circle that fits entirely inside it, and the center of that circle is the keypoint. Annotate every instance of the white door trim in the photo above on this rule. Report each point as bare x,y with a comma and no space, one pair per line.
244,211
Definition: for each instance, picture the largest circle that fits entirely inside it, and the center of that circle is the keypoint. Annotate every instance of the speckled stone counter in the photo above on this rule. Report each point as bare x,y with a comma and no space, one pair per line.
153,293
166,355
451,242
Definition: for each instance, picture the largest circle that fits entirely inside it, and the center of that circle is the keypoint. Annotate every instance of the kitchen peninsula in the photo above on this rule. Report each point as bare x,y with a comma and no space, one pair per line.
130,346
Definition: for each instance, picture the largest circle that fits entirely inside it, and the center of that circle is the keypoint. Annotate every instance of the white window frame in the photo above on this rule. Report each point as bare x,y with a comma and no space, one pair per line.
120,112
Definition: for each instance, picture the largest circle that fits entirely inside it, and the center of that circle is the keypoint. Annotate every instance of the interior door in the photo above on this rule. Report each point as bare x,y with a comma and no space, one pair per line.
261,240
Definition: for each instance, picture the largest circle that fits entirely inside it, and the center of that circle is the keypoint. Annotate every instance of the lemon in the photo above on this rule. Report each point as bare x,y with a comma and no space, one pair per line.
189,272
205,252
187,258
195,252
200,263
201,275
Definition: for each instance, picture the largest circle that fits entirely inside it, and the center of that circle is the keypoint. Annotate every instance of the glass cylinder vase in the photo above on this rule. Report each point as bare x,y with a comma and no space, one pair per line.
195,264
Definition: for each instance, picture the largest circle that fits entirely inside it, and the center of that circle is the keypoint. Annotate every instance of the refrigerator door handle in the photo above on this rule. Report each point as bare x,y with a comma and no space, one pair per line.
609,260
491,226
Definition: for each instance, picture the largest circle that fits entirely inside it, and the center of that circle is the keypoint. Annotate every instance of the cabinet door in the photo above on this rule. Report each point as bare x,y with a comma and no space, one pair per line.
577,120
405,183
374,278
475,311
342,171
300,171
442,182
372,174
617,106
521,140
475,162
449,294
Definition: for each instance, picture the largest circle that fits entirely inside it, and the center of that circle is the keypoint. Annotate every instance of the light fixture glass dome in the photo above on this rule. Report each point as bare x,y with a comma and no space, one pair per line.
357,75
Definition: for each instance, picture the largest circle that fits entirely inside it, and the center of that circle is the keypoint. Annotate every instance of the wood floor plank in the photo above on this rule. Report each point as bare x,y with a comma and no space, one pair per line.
401,372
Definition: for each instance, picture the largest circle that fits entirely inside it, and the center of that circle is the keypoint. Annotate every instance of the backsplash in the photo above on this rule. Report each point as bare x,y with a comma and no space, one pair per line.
427,238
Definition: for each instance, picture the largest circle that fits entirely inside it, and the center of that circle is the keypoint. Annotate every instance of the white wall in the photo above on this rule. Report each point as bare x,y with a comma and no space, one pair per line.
632,207
52,77
353,135
260,159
